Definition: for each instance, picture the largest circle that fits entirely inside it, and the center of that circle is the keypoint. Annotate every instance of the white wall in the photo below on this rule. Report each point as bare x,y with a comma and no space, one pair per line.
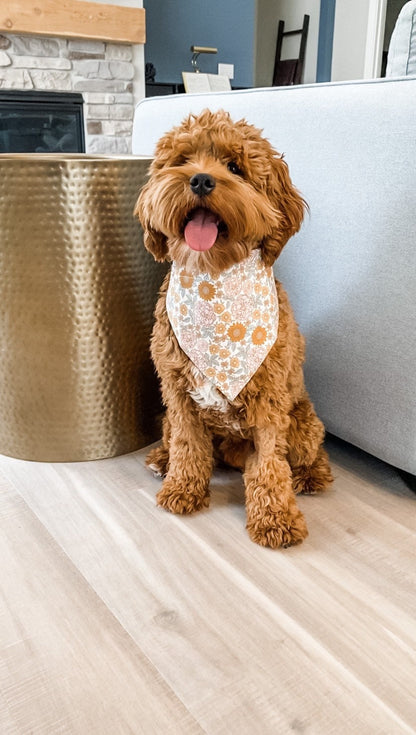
350,38
138,50
269,12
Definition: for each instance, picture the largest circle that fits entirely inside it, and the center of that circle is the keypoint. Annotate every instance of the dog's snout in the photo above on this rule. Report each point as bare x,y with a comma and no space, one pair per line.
202,184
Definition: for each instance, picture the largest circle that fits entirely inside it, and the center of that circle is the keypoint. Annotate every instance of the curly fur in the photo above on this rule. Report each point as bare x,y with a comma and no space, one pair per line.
270,430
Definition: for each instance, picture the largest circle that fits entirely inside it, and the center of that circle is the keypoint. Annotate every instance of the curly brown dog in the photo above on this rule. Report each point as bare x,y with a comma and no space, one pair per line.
220,205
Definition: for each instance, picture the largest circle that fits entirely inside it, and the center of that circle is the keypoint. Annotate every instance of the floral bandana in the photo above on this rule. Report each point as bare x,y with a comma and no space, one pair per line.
226,325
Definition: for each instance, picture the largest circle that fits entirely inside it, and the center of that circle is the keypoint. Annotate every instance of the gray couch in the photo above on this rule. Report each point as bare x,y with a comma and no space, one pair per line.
351,271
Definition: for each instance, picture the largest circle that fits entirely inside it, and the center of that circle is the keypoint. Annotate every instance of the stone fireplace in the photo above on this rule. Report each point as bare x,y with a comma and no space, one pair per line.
101,71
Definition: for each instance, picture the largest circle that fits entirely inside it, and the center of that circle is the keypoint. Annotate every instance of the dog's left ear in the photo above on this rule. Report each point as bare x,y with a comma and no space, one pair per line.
154,241
287,200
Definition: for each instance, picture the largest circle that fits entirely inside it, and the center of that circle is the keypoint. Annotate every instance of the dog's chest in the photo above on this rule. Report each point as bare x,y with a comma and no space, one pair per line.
207,397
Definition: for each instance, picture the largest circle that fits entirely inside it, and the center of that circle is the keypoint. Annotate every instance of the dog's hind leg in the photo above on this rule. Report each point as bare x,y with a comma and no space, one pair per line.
311,472
158,458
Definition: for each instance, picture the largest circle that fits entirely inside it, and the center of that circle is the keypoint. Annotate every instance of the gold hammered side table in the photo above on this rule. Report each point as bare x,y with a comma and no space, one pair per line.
77,294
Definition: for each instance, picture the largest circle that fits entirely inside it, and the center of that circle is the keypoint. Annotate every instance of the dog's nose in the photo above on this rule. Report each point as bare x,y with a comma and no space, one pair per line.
202,184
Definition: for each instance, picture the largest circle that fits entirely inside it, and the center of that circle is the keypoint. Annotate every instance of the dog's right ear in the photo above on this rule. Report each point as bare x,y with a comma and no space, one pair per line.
154,241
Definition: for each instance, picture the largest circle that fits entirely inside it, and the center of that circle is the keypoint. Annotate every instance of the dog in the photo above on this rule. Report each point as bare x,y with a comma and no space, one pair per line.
219,204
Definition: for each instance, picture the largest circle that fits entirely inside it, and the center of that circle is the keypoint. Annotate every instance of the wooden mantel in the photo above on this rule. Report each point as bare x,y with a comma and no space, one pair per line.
73,19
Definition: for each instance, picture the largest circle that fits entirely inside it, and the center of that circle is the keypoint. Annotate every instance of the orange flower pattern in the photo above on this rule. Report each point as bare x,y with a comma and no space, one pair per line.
226,325
259,336
206,290
237,332
187,279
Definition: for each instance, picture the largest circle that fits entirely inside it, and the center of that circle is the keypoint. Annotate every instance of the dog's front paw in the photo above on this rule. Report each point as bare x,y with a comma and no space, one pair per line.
177,499
278,529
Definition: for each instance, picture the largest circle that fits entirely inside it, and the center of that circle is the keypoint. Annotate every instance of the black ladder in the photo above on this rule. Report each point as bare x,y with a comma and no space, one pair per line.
289,71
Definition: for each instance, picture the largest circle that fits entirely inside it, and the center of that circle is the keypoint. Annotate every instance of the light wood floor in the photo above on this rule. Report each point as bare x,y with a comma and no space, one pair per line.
119,618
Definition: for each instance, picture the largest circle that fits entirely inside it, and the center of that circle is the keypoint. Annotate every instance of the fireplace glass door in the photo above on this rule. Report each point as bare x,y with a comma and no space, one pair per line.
41,122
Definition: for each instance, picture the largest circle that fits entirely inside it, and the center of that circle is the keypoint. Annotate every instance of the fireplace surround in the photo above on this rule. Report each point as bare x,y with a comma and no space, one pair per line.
103,72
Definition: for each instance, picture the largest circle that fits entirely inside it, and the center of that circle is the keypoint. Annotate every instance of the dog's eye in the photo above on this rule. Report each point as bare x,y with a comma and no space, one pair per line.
180,160
232,166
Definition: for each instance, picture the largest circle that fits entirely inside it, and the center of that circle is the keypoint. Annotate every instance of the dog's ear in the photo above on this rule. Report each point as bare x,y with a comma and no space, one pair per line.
154,241
287,200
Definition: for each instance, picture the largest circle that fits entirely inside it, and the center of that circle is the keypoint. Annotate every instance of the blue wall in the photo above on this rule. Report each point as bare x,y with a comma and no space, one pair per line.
326,37
172,26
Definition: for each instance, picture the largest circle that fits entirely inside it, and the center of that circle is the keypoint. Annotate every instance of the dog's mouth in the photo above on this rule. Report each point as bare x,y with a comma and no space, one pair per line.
201,228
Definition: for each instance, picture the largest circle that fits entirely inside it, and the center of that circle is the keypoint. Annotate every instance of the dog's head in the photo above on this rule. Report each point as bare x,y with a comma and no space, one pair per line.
217,189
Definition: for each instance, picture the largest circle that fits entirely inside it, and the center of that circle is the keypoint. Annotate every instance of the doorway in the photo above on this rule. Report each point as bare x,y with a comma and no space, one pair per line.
392,12
382,16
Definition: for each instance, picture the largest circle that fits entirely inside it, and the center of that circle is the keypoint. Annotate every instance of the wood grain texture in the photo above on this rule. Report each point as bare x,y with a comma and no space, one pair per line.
73,19
67,664
119,617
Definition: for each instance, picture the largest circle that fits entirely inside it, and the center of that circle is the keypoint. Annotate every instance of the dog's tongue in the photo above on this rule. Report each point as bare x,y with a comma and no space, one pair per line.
202,230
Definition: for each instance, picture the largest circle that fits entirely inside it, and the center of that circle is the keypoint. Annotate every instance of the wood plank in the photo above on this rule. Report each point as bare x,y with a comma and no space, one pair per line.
67,665
351,586
73,19
248,639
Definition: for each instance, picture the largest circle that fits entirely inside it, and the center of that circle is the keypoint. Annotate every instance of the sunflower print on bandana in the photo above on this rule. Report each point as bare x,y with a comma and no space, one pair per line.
228,324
